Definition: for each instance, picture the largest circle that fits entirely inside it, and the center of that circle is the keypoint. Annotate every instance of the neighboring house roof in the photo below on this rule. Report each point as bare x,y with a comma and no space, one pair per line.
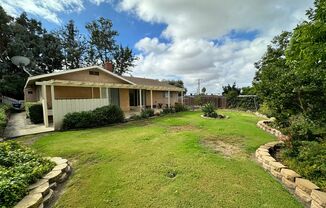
37,77
130,80
145,81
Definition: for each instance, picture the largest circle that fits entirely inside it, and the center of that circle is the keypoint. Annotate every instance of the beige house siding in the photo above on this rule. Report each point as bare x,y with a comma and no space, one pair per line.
124,99
86,77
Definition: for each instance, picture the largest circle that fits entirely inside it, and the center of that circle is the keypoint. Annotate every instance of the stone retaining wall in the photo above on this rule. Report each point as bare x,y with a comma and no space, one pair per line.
307,191
41,192
264,125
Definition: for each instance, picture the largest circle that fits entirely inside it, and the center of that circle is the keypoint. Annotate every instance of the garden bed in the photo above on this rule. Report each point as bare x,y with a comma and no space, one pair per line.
25,175
276,158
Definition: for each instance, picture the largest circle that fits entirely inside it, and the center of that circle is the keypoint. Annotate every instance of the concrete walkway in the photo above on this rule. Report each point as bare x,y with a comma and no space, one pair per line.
18,125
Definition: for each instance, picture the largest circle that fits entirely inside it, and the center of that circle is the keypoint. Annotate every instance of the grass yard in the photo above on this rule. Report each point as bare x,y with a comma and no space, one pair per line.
169,161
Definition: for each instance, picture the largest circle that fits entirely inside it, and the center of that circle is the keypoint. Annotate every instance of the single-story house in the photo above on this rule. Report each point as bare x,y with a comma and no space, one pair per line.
92,87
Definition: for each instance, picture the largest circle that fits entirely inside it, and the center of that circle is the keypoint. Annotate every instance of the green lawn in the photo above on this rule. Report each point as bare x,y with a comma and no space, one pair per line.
131,165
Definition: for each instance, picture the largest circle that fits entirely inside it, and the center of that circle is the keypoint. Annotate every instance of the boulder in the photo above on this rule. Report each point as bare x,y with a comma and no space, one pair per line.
37,184
302,195
319,197
289,174
305,185
63,178
277,166
276,174
63,167
30,201
58,160
314,204
42,189
48,197
53,176
288,183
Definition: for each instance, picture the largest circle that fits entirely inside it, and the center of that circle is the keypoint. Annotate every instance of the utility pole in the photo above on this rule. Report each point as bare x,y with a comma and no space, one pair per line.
198,89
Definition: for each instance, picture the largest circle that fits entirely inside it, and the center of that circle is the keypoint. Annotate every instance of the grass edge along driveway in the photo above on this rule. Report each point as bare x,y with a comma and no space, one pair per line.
179,160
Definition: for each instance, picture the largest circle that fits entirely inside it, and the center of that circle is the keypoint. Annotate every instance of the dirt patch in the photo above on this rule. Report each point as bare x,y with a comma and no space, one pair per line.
226,149
176,129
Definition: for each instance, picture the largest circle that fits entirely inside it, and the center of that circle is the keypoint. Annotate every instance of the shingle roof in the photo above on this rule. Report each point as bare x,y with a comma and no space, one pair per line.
146,81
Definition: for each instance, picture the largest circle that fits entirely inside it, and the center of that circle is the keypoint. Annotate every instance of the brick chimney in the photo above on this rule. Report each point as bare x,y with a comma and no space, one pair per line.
108,66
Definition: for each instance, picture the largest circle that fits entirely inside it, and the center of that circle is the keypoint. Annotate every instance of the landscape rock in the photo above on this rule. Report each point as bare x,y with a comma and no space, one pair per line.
30,201
315,205
42,189
37,184
290,174
63,178
305,185
288,183
48,197
277,166
53,176
53,185
276,174
268,159
319,197
58,160
302,194
63,167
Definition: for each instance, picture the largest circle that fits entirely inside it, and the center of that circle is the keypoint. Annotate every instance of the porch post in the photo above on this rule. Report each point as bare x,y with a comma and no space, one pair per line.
45,107
151,99
182,97
140,100
53,103
100,92
169,99
107,95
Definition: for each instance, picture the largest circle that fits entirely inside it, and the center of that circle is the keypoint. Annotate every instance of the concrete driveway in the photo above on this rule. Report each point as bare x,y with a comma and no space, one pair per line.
18,125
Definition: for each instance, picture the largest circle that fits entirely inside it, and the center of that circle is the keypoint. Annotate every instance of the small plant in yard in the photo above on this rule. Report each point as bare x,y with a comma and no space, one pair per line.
168,110
146,113
4,109
19,167
209,110
180,108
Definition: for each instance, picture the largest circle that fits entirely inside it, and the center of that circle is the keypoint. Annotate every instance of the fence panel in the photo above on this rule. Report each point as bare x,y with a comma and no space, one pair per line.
63,107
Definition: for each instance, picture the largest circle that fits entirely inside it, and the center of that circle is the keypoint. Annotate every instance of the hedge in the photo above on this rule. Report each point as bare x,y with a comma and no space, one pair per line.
99,117
19,167
36,113
4,112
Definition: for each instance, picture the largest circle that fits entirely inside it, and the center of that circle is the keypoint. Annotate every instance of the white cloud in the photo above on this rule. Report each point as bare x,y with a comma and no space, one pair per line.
192,26
46,9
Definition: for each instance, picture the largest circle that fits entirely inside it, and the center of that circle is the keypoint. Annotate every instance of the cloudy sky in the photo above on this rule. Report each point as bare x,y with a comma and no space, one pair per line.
216,41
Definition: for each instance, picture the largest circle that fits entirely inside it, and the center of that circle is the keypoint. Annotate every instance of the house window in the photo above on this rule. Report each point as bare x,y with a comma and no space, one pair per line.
166,94
30,92
103,92
96,73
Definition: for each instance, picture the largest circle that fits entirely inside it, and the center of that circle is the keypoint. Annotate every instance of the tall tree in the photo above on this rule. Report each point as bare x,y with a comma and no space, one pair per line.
203,90
177,83
102,39
73,45
102,47
123,60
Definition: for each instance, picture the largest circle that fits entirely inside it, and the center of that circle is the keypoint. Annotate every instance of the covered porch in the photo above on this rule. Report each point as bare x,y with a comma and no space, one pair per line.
60,97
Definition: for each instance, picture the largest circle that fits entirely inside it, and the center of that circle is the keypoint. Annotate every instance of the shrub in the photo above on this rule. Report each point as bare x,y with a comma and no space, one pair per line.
108,115
209,110
19,167
79,120
100,116
36,113
301,128
28,105
4,111
180,108
146,113
308,159
168,110
265,110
